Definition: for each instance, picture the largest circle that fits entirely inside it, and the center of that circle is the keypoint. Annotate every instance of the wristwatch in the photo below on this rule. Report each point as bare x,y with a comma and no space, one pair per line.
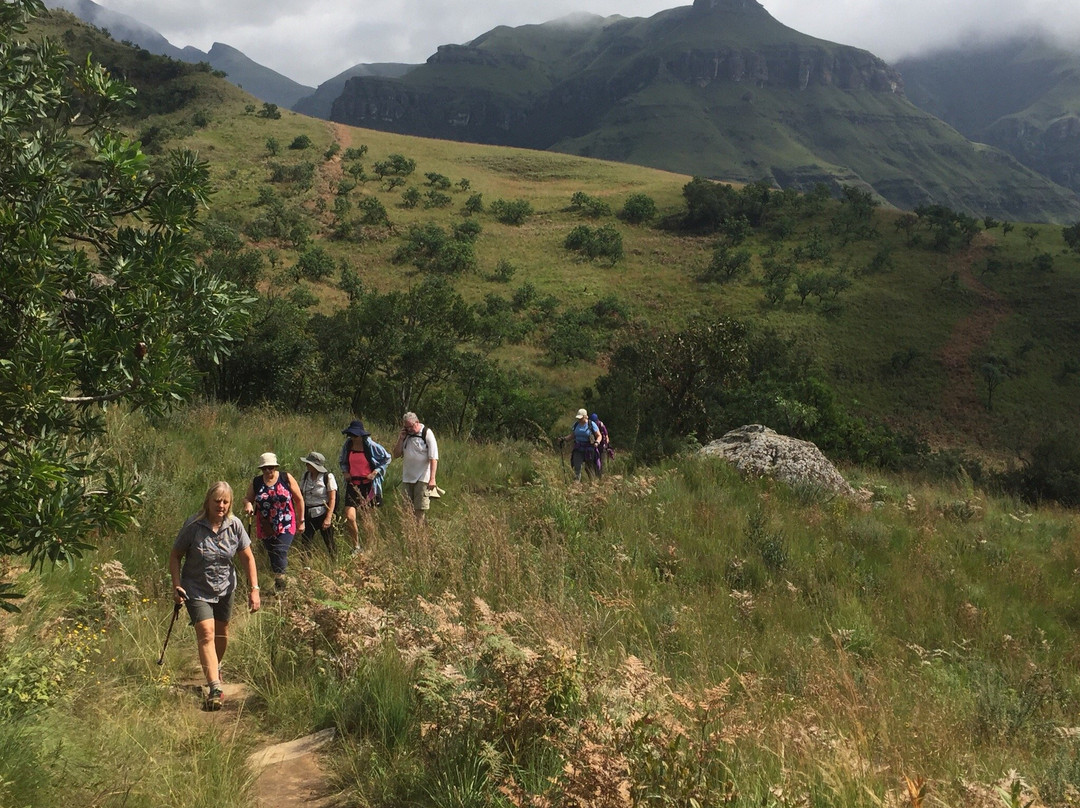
254,587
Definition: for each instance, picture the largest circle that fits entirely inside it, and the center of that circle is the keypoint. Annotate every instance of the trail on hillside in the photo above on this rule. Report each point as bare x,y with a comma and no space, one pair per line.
331,171
287,774
963,405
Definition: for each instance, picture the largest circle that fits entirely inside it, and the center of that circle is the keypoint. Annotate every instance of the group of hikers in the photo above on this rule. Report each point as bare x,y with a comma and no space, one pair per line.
282,508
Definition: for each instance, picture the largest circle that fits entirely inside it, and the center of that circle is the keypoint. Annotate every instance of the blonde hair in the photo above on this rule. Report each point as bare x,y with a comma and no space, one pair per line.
211,495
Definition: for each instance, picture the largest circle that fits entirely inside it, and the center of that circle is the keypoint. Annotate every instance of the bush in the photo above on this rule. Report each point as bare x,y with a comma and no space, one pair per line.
269,111
314,264
474,204
373,212
300,142
1052,472
515,212
601,242
589,205
638,209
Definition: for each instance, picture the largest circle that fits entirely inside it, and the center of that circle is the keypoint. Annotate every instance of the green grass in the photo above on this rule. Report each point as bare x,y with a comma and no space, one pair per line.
928,633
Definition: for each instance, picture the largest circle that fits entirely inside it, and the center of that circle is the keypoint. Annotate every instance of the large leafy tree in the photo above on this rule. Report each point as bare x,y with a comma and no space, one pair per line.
101,300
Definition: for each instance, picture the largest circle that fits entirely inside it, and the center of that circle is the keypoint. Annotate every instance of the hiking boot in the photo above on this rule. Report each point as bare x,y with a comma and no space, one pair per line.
214,699
279,582
355,552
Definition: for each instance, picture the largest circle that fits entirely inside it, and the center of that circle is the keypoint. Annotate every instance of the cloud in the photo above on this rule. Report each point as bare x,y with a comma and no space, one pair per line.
328,36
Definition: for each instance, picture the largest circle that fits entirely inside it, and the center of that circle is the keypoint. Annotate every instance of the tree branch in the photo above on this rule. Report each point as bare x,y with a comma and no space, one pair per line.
102,398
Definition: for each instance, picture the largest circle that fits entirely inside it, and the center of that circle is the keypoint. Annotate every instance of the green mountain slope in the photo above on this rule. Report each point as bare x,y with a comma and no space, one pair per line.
1021,95
904,341
716,89
318,103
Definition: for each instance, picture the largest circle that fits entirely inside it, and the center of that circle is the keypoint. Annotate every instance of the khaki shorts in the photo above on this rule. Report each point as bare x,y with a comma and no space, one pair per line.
418,494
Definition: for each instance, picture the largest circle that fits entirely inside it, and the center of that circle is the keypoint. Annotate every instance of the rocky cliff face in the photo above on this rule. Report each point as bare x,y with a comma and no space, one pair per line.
792,67
571,107
717,89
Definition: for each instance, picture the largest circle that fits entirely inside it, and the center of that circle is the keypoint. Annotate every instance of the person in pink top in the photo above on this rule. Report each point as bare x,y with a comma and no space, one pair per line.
275,499
363,464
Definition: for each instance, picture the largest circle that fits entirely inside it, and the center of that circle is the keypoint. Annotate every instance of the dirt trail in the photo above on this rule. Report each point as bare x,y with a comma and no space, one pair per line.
963,404
288,774
331,171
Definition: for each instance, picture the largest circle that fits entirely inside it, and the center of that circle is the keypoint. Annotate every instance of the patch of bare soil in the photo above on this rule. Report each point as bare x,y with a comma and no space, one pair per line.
963,406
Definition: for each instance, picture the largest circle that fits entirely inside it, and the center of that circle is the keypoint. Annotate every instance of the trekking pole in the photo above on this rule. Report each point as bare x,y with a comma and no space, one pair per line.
175,612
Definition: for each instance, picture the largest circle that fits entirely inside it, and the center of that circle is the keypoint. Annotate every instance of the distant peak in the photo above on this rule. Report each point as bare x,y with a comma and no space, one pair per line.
727,5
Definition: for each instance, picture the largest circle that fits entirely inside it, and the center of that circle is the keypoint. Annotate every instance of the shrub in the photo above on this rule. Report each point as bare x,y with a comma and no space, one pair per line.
589,205
638,209
373,212
474,204
514,212
437,180
436,199
269,111
300,142
314,264
601,242
504,271
726,264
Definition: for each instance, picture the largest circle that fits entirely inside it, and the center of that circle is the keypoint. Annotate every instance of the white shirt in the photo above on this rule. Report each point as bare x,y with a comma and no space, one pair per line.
313,490
416,457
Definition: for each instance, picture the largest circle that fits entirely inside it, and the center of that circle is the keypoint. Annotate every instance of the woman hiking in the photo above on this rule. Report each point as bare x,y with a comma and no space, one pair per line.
276,500
206,583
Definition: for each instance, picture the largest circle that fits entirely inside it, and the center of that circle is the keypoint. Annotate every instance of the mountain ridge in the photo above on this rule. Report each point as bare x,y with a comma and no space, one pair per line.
718,89
261,81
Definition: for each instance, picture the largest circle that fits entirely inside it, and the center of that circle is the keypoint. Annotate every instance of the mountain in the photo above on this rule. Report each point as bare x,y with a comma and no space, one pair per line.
262,82
717,89
259,80
318,104
1021,95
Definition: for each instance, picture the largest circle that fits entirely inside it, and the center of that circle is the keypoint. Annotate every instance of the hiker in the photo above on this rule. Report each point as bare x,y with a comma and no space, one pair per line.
319,489
207,543
363,465
419,450
585,435
277,499
602,449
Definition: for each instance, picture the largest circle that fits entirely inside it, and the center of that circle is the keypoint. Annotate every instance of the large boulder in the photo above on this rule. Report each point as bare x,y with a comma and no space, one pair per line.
757,451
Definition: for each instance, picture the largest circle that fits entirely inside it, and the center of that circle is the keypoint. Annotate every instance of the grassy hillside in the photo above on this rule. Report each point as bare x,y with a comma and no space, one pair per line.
670,634
907,341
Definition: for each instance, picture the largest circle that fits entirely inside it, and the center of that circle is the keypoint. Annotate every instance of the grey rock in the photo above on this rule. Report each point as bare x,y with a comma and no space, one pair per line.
757,451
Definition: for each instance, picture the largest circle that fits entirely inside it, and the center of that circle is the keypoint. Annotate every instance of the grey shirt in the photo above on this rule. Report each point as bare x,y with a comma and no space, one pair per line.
208,572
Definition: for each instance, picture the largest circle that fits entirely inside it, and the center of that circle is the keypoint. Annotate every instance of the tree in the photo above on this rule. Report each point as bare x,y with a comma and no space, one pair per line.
103,301
638,209
726,264
1071,234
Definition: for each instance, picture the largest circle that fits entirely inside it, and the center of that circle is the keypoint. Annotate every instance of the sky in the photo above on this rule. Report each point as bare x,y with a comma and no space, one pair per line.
313,40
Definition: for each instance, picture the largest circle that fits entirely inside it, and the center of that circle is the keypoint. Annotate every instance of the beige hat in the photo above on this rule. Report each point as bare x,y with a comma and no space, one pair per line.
267,459
583,414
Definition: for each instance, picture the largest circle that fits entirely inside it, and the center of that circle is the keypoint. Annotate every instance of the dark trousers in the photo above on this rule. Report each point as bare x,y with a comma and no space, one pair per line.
583,456
327,533
277,548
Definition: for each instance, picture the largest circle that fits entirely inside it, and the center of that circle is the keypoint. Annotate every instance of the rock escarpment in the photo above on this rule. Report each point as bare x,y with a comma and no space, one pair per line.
757,451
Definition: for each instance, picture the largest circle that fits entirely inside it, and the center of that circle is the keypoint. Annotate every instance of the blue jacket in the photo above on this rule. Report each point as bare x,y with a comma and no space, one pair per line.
377,456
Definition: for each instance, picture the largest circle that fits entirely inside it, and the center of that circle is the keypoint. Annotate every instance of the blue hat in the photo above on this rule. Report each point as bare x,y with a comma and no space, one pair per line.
356,428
